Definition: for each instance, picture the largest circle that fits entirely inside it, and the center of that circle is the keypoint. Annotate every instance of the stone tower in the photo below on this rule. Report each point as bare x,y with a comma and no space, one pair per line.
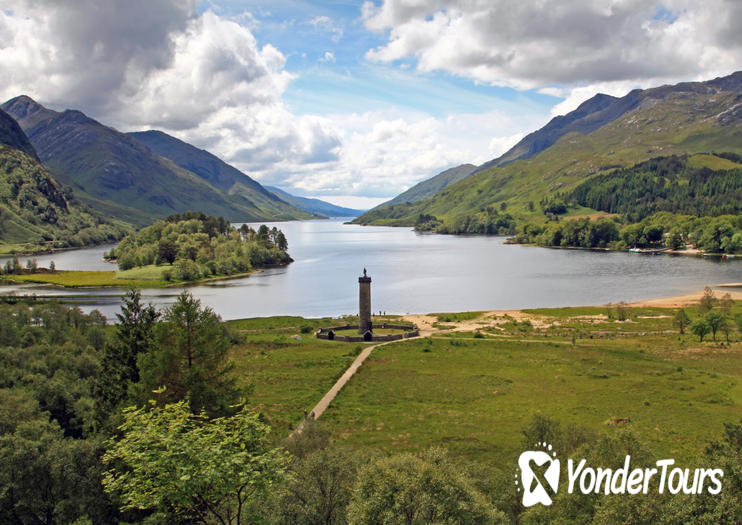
364,299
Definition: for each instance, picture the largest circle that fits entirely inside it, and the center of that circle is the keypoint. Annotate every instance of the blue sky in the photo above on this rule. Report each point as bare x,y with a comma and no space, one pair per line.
353,102
306,31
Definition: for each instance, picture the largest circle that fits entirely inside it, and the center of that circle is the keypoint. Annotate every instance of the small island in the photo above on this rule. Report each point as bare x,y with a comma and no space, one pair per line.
185,247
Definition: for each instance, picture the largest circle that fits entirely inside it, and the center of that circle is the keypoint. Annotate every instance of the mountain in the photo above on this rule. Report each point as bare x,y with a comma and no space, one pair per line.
429,187
604,133
602,109
315,206
220,174
36,212
12,135
118,174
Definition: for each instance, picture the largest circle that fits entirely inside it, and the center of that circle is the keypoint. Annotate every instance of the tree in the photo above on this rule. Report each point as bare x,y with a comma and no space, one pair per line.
119,367
681,320
263,234
185,467
52,267
426,488
167,251
318,490
707,301
281,241
48,479
700,328
189,358
715,321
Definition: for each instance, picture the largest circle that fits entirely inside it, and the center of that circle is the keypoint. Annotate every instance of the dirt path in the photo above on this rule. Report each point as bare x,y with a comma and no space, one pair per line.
489,319
320,407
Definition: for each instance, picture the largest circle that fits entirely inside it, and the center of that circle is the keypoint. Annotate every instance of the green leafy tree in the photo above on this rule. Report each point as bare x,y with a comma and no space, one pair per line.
716,321
187,468
167,251
189,358
700,328
46,478
426,488
681,320
318,490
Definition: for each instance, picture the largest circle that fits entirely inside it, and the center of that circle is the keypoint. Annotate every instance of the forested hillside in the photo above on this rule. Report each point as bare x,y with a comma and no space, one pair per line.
36,213
685,119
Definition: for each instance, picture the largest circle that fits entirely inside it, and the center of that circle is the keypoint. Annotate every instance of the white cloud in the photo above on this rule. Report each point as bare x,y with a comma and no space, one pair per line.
205,79
532,45
326,24
329,56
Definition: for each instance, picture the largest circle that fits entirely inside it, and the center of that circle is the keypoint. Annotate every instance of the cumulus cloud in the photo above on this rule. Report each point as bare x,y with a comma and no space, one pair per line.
157,64
205,79
530,45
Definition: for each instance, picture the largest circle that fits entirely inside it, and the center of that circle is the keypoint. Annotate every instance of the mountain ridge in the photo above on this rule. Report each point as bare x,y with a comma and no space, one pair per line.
688,118
316,206
215,171
130,178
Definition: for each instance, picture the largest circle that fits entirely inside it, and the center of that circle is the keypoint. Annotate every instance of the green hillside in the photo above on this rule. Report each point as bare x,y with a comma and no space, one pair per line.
429,187
105,165
692,118
220,174
36,213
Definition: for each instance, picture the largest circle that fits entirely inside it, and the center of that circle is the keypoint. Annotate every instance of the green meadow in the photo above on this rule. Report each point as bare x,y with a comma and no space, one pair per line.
474,392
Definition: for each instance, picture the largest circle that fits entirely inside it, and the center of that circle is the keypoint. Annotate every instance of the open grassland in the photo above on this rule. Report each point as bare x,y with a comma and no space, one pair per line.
288,368
142,277
91,279
474,385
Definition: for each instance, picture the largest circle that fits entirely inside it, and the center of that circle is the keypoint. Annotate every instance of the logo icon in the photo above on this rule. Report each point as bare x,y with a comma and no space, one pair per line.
539,474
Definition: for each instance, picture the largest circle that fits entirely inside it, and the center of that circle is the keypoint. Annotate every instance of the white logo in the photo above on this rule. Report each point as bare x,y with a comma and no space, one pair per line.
540,470
539,474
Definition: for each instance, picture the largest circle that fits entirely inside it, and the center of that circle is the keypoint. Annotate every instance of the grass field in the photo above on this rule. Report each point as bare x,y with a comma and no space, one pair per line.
142,277
287,367
475,391
74,279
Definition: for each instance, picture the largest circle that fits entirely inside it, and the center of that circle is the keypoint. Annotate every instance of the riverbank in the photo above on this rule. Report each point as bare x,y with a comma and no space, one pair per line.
108,279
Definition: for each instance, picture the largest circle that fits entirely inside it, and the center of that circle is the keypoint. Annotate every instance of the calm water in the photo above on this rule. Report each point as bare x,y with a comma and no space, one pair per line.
418,273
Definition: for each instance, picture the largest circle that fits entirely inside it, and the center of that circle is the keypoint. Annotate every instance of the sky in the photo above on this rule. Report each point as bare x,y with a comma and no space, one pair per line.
353,101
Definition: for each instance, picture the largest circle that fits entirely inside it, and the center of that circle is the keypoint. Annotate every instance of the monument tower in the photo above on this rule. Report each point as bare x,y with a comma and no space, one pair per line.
364,299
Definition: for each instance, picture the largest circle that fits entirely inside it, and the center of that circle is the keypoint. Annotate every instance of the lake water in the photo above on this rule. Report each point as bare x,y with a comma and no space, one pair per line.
414,272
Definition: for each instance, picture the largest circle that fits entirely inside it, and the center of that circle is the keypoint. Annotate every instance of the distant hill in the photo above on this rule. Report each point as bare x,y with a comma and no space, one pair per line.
315,206
429,187
603,134
118,174
220,174
12,135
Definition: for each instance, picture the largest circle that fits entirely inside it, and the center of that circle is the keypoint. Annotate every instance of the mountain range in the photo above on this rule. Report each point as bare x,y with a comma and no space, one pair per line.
315,206
125,177
602,134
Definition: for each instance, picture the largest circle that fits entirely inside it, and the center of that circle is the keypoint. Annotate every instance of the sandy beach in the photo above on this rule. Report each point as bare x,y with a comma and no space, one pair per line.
733,289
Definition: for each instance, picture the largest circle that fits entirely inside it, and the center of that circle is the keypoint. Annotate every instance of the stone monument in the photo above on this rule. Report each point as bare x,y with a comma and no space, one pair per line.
364,309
